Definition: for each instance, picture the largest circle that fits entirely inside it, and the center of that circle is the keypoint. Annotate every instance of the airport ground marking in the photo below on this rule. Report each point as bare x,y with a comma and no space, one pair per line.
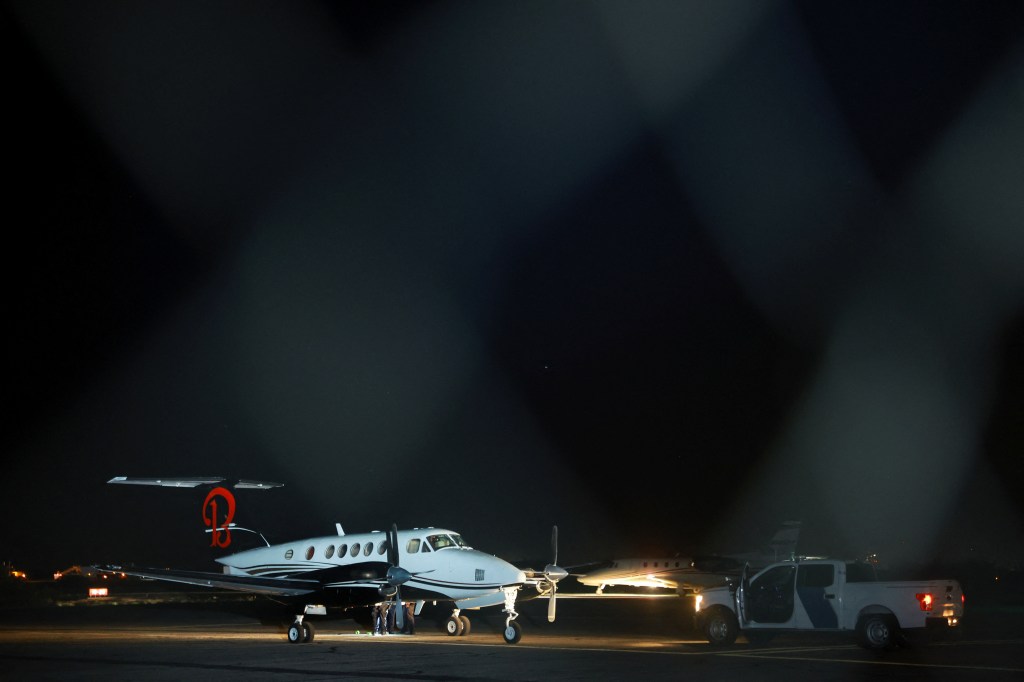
764,654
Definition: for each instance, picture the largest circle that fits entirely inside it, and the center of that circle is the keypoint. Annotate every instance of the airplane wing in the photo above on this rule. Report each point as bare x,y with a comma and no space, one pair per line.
287,587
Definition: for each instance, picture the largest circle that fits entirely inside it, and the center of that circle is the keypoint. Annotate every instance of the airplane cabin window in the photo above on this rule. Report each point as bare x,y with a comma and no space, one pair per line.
309,552
289,554
367,549
329,552
355,549
413,546
342,551
382,547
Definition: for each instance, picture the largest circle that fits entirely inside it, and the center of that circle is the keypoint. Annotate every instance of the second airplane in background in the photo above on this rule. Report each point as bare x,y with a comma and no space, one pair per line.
688,574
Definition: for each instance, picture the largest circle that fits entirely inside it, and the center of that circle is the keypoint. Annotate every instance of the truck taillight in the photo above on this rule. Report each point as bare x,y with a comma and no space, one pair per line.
925,599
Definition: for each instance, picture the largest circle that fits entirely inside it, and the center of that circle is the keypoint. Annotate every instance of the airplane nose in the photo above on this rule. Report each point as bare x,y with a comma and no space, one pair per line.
502,571
510,574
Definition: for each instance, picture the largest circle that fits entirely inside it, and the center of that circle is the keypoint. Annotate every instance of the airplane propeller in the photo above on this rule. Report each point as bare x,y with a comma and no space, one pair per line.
553,573
396,575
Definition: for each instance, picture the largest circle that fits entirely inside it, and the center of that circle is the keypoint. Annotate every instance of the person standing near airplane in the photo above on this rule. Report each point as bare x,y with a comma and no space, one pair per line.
392,611
409,626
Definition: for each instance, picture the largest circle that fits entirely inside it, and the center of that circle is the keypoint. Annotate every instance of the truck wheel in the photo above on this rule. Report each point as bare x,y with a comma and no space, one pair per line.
876,632
720,626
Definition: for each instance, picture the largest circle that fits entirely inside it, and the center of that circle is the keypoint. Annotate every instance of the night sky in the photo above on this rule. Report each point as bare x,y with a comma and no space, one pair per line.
665,274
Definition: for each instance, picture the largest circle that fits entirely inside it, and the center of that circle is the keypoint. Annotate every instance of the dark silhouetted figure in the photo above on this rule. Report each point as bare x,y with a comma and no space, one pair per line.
409,626
391,613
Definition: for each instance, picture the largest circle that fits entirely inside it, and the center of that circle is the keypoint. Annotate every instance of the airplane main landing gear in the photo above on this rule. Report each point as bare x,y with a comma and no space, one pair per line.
454,626
301,632
457,625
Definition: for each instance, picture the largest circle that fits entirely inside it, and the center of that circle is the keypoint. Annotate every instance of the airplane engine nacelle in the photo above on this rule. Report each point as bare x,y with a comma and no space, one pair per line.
387,590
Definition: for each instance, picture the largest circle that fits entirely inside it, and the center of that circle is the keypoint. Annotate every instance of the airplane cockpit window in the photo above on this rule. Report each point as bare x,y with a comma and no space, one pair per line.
440,541
382,547
413,546
355,549
425,547
329,552
457,539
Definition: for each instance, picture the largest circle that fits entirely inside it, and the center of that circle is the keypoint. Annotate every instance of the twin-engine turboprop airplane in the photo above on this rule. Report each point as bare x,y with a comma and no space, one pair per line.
341,573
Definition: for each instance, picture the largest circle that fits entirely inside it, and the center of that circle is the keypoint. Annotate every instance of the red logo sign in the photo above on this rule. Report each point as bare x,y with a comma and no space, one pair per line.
221,533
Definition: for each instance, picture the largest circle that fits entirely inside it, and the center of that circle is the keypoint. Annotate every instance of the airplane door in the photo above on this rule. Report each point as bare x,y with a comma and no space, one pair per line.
818,595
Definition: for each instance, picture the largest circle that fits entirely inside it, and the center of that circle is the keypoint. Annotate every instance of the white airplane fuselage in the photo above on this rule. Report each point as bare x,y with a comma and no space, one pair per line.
638,573
442,566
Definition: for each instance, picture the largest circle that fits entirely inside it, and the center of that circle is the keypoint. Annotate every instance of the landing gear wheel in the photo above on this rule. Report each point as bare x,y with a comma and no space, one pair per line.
308,632
466,627
295,632
454,626
720,626
513,632
876,632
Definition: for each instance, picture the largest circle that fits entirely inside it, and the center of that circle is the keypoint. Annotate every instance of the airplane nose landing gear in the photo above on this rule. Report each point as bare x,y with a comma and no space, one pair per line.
513,631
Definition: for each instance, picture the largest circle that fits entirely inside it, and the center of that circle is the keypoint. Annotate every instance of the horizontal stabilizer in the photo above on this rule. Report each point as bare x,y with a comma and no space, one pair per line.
166,482
241,484
257,485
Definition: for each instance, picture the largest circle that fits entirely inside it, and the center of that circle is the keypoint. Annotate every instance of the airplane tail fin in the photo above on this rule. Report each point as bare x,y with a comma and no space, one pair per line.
783,543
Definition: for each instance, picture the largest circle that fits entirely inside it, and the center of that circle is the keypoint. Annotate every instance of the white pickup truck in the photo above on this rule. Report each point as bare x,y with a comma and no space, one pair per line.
826,595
